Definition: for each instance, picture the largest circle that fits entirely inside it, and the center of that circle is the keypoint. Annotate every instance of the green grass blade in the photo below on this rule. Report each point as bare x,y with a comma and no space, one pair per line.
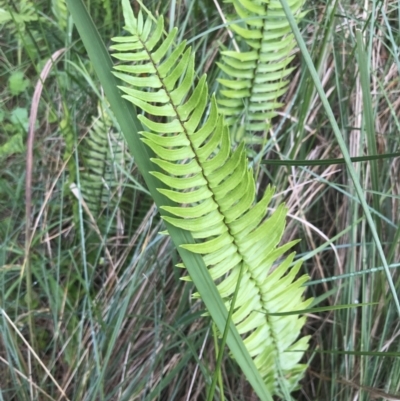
368,119
130,126
342,145
389,354
329,161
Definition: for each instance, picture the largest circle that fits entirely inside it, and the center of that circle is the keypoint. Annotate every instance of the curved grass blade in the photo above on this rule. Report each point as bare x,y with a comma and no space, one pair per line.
130,126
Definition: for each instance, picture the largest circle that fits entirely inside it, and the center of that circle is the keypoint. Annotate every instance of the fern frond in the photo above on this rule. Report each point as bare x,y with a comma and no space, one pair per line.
104,164
60,11
258,76
100,179
215,194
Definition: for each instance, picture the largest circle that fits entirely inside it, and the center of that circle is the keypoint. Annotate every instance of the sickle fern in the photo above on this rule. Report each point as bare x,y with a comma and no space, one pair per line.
257,76
100,151
214,192
103,158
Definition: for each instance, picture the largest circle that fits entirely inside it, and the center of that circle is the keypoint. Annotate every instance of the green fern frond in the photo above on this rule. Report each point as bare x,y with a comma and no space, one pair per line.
257,76
104,158
100,180
215,195
60,11
95,155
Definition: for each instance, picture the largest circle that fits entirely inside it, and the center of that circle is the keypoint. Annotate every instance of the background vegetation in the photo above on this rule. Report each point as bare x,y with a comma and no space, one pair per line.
103,314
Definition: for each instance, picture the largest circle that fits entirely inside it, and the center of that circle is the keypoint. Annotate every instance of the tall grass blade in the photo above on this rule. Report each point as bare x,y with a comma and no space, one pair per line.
368,119
130,126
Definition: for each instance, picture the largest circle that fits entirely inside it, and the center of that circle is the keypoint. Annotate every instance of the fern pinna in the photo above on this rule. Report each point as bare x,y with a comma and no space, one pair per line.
257,75
214,192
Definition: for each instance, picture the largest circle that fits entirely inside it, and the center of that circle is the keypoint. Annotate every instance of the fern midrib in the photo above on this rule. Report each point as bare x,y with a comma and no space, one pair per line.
256,70
252,87
192,148
209,187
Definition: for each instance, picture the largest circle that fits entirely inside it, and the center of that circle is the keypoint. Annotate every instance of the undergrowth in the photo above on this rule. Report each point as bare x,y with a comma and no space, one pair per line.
104,314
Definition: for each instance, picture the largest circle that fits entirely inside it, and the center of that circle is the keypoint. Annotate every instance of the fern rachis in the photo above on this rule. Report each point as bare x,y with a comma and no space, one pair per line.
257,76
215,194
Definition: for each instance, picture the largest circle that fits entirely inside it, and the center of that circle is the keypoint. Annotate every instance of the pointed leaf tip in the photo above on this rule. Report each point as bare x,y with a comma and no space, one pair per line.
129,17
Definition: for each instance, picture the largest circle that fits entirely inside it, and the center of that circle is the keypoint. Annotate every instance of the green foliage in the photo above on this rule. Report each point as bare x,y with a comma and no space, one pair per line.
69,137
100,149
19,119
257,76
113,322
16,18
60,11
215,195
106,4
17,83
12,146
104,163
